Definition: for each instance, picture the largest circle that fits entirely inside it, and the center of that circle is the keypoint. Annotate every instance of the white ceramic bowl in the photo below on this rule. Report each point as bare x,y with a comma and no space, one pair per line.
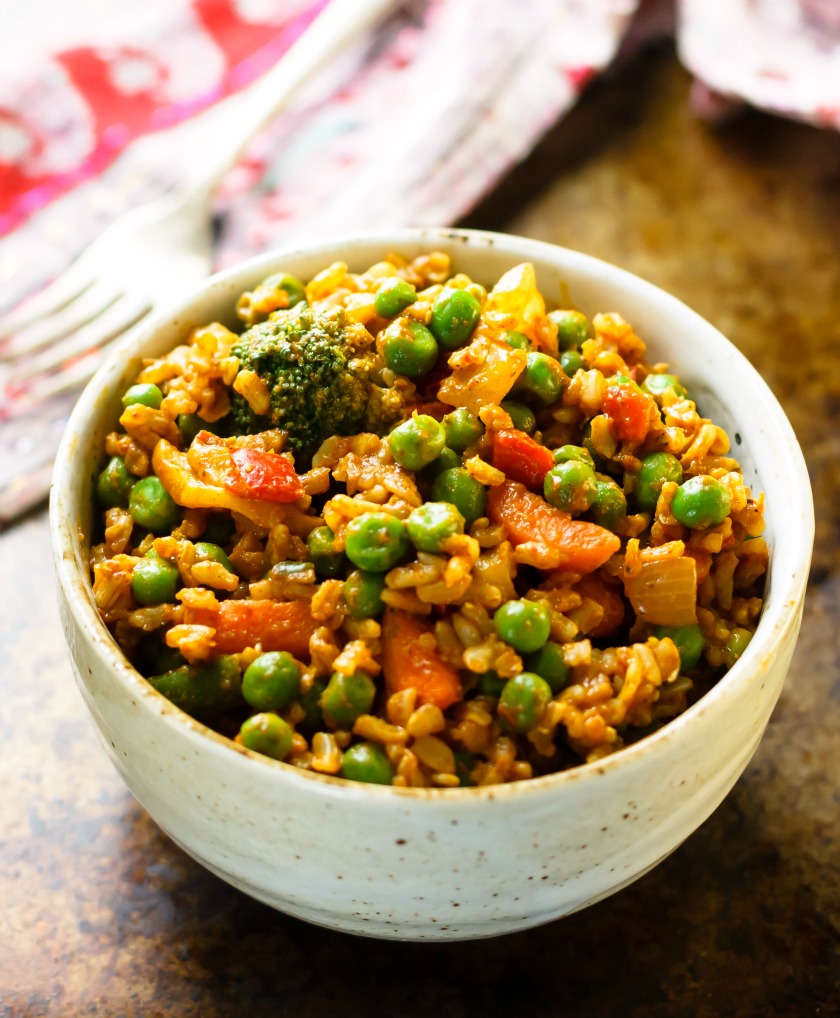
436,864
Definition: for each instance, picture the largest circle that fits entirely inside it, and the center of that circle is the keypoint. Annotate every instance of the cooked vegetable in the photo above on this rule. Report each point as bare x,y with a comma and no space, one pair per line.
409,348
147,394
522,702
151,505
430,524
459,488
267,476
455,314
154,581
521,459
525,625
543,378
267,734
700,502
572,328
417,442
560,541
376,541
484,372
630,410
316,367
663,589
271,681
271,624
346,697
394,296
409,661
571,486
367,762
202,690
114,484
462,428
657,468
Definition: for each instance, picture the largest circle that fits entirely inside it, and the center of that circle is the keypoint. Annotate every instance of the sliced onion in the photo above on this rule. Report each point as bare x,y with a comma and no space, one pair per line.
664,591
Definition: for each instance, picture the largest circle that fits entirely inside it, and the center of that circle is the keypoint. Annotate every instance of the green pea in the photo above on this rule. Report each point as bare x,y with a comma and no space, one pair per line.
689,640
525,625
310,703
328,562
417,442
114,484
363,594
219,528
543,378
271,681
295,290
571,486
346,697
365,761
151,505
409,348
430,524
267,734
572,328
394,296
489,684
521,416
518,341
462,428
190,424
657,384
657,468
206,551
523,701
739,640
376,541
163,658
203,690
609,507
574,452
571,361
464,492
447,459
154,581
550,664
700,502
147,395
455,313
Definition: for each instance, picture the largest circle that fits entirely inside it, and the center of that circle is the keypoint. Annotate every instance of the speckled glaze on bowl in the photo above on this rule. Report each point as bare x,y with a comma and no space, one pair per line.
427,864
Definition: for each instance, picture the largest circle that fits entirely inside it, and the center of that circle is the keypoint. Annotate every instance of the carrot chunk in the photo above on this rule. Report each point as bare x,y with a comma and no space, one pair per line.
564,543
274,625
410,659
521,459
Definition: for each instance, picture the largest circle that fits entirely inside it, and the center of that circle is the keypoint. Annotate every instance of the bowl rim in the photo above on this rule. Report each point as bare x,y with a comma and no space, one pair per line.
774,624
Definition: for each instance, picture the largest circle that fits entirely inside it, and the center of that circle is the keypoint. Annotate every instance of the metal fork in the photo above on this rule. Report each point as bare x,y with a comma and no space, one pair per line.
53,342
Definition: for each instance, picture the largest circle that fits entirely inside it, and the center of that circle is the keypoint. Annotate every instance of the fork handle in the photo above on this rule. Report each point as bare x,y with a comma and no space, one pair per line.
336,27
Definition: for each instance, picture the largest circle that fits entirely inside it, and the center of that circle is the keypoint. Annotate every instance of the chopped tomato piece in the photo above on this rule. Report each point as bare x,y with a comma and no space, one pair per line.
268,476
563,543
630,411
410,659
521,459
274,625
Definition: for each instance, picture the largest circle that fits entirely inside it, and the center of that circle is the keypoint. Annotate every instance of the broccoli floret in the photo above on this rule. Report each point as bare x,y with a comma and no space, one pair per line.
317,367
